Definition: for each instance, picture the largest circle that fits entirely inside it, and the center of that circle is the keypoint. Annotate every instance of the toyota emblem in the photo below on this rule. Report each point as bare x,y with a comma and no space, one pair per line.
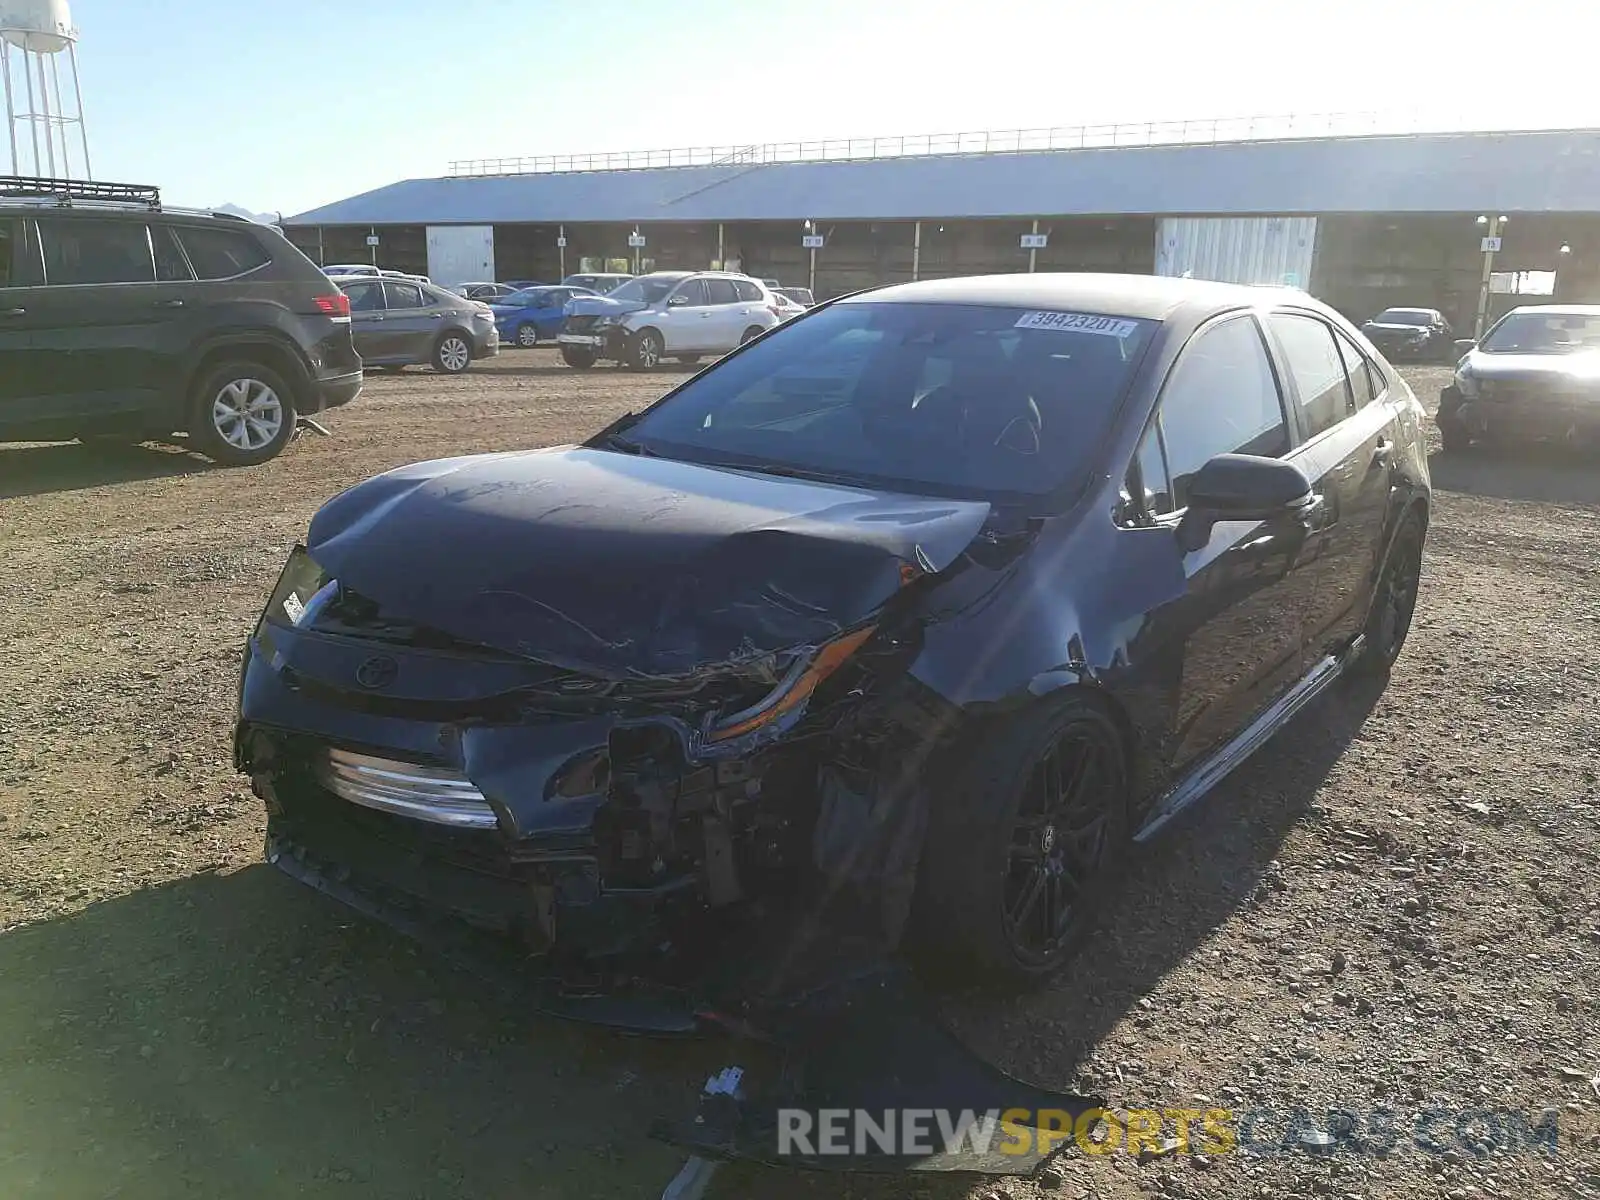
377,672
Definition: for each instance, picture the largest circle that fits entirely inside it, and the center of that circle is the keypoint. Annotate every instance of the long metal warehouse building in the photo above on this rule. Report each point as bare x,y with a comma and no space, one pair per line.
1360,221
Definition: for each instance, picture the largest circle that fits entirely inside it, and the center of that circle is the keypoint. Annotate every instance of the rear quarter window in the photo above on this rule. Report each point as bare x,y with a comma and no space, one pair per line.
222,253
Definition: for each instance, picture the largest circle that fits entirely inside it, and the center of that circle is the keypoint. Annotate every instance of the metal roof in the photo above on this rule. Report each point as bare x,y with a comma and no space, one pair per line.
1552,171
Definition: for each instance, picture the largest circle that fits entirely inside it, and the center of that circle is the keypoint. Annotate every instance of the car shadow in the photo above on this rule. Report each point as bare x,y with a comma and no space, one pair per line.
1175,894
232,1035
1543,473
35,470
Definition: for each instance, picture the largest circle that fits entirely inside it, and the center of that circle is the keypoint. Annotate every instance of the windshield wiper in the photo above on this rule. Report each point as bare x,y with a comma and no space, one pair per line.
615,441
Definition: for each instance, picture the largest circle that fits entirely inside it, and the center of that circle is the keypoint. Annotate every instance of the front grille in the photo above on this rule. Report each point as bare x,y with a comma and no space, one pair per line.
580,324
434,794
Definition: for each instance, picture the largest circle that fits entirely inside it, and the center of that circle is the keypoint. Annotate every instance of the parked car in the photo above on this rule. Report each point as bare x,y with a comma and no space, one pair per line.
519,285
950,589
398,323
350,269
536,314
677,314
489,293
801,296
601,283
787,308
121,320
1412,333
1531,378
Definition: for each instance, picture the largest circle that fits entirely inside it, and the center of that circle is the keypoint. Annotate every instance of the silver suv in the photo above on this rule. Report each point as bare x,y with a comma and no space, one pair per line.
669,314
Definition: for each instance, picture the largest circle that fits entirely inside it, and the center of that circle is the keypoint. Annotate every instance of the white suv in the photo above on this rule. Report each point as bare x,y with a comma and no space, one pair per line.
668,314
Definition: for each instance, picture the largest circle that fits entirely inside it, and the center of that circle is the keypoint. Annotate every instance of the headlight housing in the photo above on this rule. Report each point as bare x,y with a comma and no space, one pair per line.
793,690
303,588
1467,383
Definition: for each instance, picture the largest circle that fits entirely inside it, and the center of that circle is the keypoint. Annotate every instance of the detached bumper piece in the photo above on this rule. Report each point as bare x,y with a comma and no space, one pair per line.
432,794
872,1045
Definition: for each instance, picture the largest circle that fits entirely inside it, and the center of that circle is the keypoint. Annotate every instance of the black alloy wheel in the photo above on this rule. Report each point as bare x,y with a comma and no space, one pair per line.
1060,838
1022,844
1394,600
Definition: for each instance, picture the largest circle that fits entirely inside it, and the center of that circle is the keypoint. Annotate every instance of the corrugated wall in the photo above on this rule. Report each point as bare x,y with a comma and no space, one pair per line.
1271,250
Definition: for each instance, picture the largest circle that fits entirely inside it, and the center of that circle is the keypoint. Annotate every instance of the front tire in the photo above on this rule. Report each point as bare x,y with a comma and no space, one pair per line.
1394,600
1453,436
527,336
452,354
1022,847
646,351
242,414
578,356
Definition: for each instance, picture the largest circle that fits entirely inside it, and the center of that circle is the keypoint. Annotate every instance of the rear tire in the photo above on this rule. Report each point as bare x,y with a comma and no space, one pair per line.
579,357
1453,436
527,336
1022,846
751,334
1394,600
452,353
645,353
241,413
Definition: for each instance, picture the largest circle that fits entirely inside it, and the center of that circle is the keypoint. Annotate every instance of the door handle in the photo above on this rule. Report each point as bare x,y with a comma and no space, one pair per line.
1313,513
13,312
169,304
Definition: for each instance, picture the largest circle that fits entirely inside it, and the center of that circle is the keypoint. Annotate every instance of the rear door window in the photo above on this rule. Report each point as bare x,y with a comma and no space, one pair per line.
171,266
721,291
747,290
89,251
220,253
1317,369
20,263
1366,385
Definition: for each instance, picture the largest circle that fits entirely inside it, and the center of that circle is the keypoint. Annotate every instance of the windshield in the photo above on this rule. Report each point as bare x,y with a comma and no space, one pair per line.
1404,316
959,399
648,289
1544,333
525,298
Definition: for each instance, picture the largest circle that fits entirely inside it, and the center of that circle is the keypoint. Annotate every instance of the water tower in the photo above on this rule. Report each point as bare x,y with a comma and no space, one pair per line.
44,124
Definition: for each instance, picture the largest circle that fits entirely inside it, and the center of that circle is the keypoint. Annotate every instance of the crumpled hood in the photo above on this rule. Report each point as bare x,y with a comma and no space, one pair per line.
623,565
1579,368
602,306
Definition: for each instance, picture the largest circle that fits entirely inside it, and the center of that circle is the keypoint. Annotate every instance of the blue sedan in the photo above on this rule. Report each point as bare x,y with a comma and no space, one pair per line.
534,315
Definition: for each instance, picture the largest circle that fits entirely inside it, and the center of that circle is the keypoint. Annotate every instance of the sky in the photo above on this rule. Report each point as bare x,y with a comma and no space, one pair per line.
290,105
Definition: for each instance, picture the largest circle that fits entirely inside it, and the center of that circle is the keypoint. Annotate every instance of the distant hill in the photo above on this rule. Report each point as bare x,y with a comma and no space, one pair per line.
235,210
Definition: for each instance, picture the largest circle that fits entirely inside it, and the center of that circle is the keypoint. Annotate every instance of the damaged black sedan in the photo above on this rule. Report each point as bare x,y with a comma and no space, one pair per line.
892,628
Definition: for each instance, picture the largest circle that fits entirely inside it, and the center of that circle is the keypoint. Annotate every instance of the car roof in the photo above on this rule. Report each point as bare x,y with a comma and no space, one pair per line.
1150,297
1558,310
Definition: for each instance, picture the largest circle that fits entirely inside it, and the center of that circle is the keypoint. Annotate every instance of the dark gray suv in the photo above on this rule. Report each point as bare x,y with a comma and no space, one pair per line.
123,320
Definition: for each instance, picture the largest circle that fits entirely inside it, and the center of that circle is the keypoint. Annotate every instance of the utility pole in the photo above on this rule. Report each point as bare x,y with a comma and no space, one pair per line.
916,251
1033,251
1490,244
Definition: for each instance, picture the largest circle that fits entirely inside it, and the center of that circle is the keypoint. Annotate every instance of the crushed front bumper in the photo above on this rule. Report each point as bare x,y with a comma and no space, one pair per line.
1525,414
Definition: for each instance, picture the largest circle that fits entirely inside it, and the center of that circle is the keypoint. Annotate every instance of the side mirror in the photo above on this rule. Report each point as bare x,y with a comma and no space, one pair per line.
1240,487
1464,345
676,301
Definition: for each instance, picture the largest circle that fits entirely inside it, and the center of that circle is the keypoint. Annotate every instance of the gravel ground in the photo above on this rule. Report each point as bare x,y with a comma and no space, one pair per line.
1395,905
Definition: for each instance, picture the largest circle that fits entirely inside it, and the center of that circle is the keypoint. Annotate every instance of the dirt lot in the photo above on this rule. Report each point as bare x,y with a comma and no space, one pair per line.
177,1019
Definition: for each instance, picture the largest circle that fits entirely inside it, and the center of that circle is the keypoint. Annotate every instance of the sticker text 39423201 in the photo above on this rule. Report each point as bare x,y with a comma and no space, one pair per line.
1117,327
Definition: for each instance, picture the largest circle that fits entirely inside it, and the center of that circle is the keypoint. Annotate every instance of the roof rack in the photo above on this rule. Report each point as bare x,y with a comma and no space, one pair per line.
65,191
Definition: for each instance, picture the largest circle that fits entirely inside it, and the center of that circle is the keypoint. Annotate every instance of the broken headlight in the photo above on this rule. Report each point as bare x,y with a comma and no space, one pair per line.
793,690
303,588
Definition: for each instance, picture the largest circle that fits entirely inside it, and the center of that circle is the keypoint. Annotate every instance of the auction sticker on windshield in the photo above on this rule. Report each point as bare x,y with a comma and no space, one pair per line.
1117,327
